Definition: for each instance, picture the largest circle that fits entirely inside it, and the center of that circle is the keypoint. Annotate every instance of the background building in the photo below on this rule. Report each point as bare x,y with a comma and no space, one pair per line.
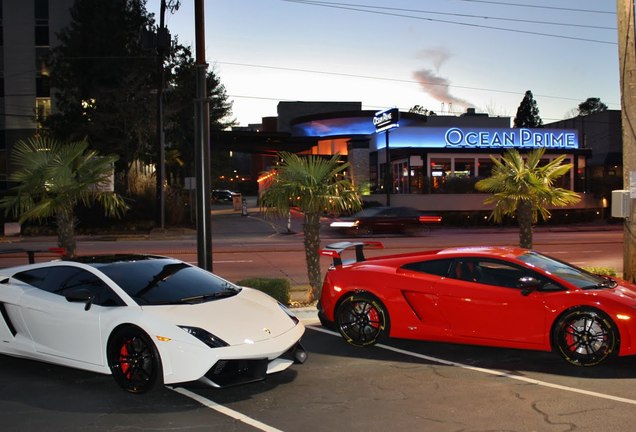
28,30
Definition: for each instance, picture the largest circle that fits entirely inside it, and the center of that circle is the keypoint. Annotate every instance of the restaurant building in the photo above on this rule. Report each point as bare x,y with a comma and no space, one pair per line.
432,162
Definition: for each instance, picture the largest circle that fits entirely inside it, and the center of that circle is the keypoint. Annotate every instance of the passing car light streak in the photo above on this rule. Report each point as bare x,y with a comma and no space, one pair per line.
343,224
225,410
491,371
225,262
233,261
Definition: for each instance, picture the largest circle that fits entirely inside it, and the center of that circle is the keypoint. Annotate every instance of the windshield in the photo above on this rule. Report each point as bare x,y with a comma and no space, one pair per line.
369,212
167,281
572,274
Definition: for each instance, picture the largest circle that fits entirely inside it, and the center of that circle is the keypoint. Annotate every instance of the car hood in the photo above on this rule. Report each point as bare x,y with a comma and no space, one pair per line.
624,291
250,316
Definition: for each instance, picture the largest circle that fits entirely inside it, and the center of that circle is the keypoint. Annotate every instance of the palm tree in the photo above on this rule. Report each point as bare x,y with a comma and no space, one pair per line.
53,177
524,189
314,185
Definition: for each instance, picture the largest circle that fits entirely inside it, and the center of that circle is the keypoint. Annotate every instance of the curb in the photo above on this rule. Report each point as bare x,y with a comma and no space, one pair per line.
308,315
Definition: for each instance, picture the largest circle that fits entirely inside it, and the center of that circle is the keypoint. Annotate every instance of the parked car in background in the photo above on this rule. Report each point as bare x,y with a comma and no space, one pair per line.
146,320
223,195
493,296
386,220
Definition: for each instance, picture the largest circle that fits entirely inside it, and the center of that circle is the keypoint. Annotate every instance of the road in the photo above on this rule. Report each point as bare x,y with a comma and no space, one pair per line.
401,385
254,246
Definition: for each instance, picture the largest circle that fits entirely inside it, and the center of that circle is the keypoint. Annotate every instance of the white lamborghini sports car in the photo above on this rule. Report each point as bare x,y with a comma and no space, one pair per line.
146,320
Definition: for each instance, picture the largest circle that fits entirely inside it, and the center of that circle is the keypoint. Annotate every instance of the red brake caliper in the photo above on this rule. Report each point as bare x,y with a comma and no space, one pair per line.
374,318
123,359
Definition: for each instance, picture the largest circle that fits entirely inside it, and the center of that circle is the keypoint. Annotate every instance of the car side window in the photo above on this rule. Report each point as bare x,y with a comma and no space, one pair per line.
495,272
59,279
102,294
439,267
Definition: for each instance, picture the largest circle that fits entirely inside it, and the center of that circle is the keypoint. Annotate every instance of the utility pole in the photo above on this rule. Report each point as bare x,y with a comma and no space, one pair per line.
202,144
627,66
163,43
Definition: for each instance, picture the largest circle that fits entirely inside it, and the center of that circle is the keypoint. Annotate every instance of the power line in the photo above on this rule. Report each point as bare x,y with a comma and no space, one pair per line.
539,7
357,9
390,79
490,18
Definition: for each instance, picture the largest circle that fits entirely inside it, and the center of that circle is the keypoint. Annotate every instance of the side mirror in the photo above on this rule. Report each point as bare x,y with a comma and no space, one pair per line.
528,284
80,295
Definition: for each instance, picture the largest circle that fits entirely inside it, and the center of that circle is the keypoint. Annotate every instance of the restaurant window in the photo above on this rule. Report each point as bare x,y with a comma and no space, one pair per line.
484,167
440,169
417,183
400,177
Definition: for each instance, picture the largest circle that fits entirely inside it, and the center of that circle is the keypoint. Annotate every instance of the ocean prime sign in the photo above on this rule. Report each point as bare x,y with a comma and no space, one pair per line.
384,120
509,138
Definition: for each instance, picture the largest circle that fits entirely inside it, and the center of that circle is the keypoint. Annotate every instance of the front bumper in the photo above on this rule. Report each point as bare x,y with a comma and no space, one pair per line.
227,373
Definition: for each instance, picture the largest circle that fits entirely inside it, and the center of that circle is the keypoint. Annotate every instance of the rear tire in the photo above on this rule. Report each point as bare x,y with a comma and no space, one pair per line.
362,320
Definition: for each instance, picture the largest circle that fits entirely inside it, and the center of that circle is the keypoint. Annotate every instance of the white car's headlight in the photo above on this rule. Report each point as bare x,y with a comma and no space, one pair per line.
205,336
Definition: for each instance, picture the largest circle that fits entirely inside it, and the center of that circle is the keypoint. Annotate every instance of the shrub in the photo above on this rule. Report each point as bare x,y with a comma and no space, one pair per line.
276,287
603,271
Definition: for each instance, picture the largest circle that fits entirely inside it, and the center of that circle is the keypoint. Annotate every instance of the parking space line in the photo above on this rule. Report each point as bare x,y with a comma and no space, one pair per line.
225,410
491,371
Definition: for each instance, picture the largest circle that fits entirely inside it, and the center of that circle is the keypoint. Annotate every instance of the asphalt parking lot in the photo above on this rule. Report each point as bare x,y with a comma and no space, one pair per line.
403,385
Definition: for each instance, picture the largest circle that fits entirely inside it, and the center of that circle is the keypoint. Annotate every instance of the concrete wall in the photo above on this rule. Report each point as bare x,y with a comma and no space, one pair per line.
459,202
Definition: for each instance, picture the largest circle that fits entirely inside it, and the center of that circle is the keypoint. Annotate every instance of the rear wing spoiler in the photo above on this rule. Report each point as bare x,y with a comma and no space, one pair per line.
31,252
335,250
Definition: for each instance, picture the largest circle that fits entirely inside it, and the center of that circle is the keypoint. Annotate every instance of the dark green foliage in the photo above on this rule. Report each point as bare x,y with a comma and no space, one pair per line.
591,105
524,188
104,79
316,186
181,72
601,271
276,287
528,113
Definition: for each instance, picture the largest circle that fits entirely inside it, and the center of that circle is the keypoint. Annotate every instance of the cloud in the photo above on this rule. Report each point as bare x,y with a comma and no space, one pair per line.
437,55
439,88
436,86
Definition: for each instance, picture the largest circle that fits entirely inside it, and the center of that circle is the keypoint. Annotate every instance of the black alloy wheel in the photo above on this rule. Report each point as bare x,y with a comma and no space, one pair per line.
134,360
362,320
585,337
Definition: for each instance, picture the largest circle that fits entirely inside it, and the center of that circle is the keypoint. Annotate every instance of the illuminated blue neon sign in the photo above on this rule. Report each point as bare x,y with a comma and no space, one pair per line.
383,120
527,138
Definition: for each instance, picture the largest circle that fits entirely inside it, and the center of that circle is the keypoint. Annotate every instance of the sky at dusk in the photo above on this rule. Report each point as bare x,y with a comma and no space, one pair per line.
444,55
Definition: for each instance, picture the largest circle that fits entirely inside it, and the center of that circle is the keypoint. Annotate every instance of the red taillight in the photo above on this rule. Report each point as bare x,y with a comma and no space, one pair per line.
430,219
331,253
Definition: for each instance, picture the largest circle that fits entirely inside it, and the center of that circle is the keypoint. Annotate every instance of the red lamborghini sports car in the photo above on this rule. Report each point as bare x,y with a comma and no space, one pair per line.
494,296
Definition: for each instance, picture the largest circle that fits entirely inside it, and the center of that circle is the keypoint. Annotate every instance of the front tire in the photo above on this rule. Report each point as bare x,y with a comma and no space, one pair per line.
585,337
362,320
134,360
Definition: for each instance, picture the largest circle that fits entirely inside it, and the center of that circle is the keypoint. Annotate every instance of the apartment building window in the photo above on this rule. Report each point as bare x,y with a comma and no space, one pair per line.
42,110
41,23
42,87
1,28
41,9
